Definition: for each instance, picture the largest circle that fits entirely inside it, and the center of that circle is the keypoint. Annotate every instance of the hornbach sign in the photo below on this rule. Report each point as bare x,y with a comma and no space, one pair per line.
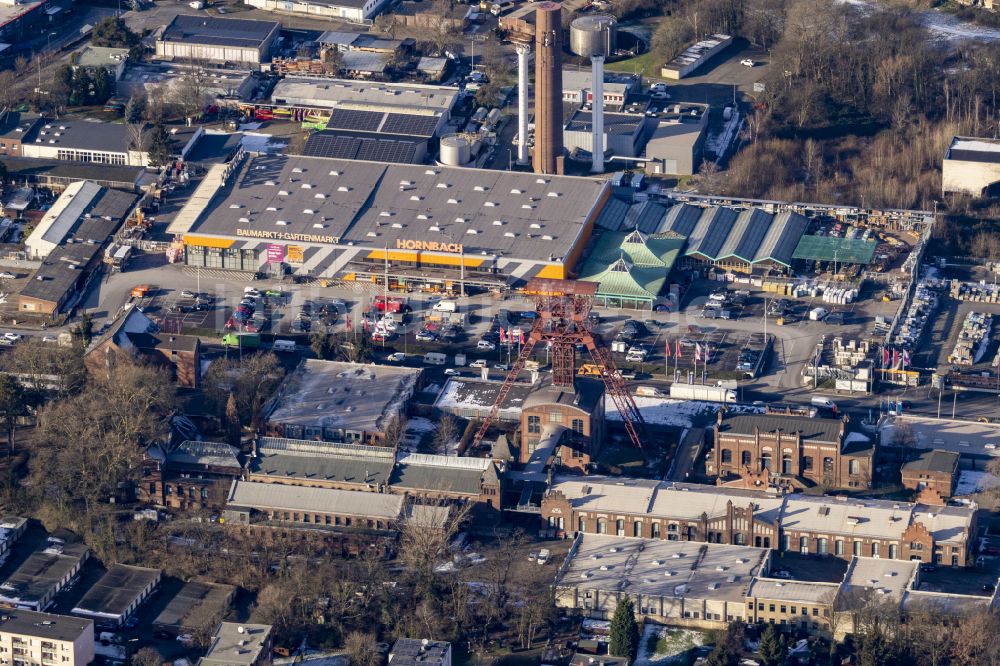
429,246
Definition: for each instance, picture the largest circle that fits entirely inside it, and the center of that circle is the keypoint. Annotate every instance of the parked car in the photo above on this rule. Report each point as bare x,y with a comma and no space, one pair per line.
186,293
747,62
425,336
273,293
397,357
485,345
451,372
7,276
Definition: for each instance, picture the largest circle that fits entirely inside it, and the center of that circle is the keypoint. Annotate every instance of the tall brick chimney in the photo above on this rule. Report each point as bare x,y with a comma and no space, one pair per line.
548,155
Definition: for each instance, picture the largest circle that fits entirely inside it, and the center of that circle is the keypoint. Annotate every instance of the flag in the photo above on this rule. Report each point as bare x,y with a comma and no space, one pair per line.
697,352
520,337
503,335
895,357
349,325
906,359
677,349
708,353
885,357
666,348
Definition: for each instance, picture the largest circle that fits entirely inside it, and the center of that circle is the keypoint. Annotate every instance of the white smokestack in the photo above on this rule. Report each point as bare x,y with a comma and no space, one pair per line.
597,115
522,103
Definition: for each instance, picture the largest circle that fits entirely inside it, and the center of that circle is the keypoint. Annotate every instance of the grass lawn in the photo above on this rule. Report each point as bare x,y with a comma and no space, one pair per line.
646,64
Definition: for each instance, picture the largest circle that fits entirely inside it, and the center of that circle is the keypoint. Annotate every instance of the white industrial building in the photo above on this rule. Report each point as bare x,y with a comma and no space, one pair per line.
355,11
695,56
214,39
60,220
623,132
971,166
82,141
578,84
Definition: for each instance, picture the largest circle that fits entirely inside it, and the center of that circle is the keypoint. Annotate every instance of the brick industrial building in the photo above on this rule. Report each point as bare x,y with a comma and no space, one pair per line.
795,450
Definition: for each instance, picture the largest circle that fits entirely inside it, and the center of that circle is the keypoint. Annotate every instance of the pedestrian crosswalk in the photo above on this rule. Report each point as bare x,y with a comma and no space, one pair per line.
221,273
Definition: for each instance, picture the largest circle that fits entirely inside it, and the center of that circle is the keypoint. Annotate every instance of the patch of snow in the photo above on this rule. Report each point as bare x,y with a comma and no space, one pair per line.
673,412
856,437
420,424
679,642
602,627
717,144
979,146
971,482
262,143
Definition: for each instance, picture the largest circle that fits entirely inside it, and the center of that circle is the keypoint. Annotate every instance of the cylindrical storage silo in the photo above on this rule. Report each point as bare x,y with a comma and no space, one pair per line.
455,150
593,35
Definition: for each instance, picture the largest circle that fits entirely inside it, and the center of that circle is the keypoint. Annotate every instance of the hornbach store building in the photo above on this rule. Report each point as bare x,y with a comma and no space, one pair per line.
352,220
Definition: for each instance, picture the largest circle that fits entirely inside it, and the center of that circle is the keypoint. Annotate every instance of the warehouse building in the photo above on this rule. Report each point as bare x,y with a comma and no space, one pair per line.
219,87
57,175
38,638
670,582
340,402
194,606
353,11
676,140
695,56
425,226
82,141
740,241
70,240
971,166
215,39
118,594
312,100
623,133
320,464
834,251
18,19
36,582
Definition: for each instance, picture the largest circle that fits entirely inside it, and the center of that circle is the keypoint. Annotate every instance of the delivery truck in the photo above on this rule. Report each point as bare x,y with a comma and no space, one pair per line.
680,391
241,340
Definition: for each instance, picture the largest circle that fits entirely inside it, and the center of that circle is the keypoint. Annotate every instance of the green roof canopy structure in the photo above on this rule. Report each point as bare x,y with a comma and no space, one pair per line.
631,265
831,248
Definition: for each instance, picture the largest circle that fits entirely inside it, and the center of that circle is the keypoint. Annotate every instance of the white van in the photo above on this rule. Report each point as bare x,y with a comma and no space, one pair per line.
445,306
283,346
435,358
824,403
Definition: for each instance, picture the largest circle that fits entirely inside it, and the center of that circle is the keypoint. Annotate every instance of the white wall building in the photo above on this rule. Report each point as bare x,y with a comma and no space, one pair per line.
970,166
355,11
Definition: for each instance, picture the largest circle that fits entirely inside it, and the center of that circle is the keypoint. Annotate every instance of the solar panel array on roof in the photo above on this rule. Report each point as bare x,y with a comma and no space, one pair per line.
401,123
355,119
710,233
361,147
746,236
682,219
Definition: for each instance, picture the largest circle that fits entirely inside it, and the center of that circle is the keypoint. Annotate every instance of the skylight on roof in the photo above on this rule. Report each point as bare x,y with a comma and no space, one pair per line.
471,232
319,195
282,223
282,193
334,173
415,197
535,225
343,188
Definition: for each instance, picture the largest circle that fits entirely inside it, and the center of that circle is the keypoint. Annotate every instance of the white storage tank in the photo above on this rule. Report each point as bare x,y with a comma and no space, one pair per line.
593,35
455,150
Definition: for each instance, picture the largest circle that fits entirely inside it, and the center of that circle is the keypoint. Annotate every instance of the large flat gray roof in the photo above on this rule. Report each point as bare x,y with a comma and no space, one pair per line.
265,496
343,396
216,31
42,573
44,625
195,604
294,460
364,95
374,205
80,135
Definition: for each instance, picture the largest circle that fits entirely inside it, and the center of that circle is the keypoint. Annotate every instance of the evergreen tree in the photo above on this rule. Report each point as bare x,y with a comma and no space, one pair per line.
624,630
772,647
159,145
103,86
233,426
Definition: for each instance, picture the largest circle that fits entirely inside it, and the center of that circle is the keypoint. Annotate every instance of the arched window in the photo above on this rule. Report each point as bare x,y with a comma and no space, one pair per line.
602,526
807,463
765,462
853,467
786,464
745,458
727,456
827,465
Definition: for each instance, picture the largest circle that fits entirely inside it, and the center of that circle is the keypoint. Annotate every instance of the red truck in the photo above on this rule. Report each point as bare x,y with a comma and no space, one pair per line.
391,304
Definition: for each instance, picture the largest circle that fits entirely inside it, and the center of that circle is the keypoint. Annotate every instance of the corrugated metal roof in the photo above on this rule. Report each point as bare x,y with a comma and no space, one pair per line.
782,237
682,219
710,233
747,234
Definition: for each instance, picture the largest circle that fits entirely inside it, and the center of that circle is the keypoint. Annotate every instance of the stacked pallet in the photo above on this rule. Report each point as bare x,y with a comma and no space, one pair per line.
980,292
972,339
